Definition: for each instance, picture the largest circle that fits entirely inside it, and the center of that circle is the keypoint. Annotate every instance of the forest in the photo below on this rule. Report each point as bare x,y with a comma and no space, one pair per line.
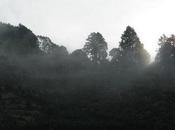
45,87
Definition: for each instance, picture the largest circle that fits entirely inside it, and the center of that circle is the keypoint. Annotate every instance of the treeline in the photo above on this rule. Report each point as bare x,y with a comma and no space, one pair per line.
130,52
20,40
43,86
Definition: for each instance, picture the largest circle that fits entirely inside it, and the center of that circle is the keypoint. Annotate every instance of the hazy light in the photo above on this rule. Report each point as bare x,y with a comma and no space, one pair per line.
69,22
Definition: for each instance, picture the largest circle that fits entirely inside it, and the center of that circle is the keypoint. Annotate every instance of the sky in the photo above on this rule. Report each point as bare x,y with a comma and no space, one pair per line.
69,22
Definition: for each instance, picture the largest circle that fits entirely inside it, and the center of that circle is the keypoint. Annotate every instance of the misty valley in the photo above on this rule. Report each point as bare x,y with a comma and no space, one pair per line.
45,87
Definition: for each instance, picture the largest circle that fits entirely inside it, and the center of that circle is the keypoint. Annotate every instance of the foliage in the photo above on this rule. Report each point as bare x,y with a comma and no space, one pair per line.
18,40
166,51
96,47
131,52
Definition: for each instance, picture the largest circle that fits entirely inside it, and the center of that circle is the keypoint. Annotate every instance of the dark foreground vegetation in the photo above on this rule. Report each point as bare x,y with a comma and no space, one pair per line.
44,87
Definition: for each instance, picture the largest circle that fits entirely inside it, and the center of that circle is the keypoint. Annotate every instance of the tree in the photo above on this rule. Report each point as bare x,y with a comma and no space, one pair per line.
26,40
129,39
96,47
79,53
48,47
19,40
166,53
115,54
132,51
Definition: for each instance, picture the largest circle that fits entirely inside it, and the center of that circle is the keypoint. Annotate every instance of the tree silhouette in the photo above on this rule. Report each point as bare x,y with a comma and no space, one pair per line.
166,53
115,54
18,40
48,47
79,53
132,51
96,48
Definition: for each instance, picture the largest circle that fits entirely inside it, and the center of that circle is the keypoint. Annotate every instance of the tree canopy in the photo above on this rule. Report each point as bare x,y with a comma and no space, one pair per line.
131,51
96,47
166,52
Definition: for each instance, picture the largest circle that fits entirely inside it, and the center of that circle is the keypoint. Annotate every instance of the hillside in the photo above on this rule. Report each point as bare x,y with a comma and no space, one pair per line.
42,86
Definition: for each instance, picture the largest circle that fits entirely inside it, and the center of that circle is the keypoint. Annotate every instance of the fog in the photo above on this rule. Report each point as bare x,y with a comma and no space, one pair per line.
87,65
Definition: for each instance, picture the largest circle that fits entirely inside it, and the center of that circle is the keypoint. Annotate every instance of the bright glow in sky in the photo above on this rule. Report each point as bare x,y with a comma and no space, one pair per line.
69,22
